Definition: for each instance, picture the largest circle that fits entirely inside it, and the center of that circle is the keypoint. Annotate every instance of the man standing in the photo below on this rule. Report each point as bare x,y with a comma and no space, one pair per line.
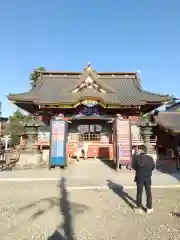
143,165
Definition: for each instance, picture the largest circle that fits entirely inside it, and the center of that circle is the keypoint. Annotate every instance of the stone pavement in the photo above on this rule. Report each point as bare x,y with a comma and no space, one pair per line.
89,173
47,211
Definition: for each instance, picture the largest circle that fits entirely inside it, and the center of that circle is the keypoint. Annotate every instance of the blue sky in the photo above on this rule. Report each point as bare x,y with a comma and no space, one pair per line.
113,35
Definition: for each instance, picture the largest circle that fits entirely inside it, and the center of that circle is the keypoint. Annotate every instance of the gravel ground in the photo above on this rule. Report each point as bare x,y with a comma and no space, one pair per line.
45,210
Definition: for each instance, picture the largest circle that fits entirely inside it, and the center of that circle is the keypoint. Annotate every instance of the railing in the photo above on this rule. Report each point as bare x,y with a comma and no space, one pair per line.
9,159
140,141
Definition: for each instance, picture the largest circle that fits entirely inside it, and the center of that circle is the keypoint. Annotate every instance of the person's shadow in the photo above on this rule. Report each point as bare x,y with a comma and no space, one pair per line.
67,209
118,189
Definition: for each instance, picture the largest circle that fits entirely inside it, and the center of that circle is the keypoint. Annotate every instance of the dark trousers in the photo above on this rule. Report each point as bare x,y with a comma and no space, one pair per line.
140,186
177,162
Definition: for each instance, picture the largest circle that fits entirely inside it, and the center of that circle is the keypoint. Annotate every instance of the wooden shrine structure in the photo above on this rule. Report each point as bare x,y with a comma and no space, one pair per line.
102,109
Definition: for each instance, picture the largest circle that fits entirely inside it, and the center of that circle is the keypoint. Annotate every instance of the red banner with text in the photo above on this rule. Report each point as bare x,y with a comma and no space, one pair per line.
123,141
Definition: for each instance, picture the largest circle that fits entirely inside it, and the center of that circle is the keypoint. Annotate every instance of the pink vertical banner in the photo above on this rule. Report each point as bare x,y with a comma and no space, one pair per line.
123,138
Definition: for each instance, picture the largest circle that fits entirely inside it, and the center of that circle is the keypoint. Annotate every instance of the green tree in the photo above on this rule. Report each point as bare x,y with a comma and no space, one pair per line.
15,126
34,76
19,116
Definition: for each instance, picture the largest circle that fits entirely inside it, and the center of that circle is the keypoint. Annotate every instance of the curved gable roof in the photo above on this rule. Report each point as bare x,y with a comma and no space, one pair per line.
122,88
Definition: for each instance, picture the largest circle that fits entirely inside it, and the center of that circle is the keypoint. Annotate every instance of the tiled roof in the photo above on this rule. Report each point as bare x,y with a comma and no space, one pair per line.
174,107
121,88
169,121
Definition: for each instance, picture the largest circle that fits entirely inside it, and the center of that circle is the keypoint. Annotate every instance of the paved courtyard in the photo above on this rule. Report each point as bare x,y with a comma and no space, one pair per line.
46,210
89,173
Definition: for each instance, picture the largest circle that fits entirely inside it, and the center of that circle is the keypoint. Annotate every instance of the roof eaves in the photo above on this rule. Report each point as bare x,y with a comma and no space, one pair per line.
93,70
151,97
26,96
156,94
117,73
170,128
169,124
61,73
18,97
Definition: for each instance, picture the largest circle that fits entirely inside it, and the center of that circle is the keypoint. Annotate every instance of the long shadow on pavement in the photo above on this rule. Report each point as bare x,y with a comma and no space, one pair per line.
67,209
118,189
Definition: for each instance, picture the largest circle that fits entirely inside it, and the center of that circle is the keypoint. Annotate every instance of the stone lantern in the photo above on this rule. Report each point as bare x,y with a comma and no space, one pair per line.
31,131
147,132
1,149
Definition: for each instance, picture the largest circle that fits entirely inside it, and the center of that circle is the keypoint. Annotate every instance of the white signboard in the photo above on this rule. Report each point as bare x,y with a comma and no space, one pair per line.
135,135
